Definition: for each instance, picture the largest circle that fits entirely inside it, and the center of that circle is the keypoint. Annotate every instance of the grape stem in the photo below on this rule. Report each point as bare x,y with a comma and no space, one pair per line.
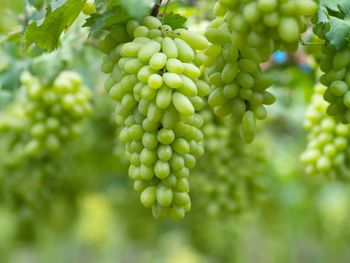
302,42
155,8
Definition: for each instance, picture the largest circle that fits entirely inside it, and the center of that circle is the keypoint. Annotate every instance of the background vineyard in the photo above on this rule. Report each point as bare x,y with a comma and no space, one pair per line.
79,205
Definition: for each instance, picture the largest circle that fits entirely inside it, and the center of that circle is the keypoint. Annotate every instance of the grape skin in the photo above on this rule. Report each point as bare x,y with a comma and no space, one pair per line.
267,25
327,149
335,65
239,84
225,185
243,35
54,113
157,102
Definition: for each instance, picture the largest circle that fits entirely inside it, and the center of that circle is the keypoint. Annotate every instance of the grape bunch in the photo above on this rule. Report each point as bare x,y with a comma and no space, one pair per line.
327,151
240,88
12,119
335,65
240,85
54,112
156,85
266,24
243,35
232,175
13,124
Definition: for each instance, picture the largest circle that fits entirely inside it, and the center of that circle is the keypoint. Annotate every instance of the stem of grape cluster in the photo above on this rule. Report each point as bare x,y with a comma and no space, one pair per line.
155,8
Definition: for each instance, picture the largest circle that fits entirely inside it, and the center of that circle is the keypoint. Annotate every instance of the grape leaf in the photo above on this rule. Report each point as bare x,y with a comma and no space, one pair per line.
336,14
137,8
38,4
102,6
98,22
46,35
339,33
174,20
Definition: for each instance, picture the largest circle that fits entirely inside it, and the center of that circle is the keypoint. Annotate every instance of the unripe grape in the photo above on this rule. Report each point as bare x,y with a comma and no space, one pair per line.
231,177
63,105
155,80
328,140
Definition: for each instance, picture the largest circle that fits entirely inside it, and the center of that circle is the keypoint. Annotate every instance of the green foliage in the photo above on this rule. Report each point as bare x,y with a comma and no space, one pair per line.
334,16
174,20
98,22
46,35
137,8
38,4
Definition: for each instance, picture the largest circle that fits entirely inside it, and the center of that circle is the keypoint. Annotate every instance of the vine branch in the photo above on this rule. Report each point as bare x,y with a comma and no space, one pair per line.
155,8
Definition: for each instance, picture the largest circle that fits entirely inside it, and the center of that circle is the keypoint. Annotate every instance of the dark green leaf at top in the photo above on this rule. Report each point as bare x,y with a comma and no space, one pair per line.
336,14
137,8
98,22
46,35
174,20
38,4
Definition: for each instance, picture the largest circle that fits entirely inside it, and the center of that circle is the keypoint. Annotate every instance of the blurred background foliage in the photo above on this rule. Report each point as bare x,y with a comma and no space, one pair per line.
91,213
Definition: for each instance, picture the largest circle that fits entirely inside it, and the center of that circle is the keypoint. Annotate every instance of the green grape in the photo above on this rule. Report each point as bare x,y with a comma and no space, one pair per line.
231,179
239,87
336,78
54,112
327,140
89,7
157,80
265,24
245,34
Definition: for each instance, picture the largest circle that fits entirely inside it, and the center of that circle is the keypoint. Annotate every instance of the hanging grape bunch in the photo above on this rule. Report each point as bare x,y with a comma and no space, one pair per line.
335,65
327,151
12,127
54,112
245,34
231,178
158,94
266,24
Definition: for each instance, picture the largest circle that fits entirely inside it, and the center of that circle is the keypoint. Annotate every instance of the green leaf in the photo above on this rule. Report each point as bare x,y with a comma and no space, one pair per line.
98,22
46,35
103,6
174,20
137,8
335,17
339,32
38,4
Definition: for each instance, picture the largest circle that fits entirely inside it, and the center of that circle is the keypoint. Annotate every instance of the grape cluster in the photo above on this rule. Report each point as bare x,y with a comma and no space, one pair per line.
240,85
266,24
335,65
12,119
155,81
327,151
231,178
54,112
13,124
243,35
